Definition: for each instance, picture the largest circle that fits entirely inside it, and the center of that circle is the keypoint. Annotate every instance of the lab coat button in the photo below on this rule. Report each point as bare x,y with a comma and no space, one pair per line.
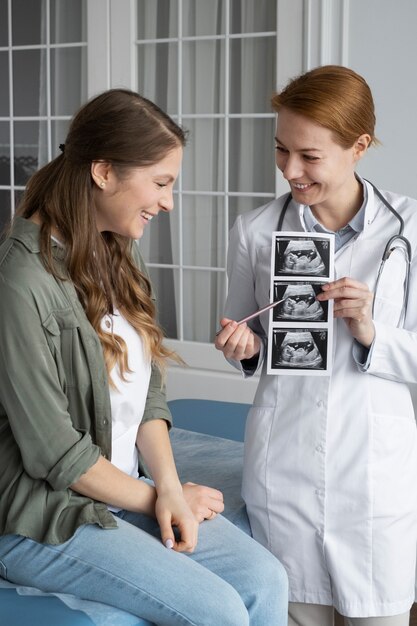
319,493
319,449
320,403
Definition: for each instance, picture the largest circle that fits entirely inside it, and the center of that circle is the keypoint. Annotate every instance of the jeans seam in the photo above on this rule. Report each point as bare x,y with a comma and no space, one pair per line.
117,577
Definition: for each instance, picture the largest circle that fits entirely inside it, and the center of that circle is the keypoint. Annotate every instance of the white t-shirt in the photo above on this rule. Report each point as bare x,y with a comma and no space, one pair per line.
129,397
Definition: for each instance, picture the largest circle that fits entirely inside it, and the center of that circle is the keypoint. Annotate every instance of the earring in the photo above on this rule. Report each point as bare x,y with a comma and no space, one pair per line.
102,184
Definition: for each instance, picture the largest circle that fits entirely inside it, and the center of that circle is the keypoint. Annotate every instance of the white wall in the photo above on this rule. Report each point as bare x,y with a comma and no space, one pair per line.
377,39
383,48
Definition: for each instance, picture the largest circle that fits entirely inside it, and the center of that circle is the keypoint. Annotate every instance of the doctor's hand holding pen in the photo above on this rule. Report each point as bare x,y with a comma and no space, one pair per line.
236,340
353,302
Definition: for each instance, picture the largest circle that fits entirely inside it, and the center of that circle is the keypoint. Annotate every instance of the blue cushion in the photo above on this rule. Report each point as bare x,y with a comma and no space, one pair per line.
216,462
212,417
30,607
17,610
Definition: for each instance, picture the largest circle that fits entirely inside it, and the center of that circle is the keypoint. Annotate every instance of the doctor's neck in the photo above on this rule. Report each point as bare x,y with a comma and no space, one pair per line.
337,211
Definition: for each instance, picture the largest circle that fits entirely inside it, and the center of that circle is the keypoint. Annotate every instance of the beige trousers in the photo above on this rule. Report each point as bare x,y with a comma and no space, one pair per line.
300,614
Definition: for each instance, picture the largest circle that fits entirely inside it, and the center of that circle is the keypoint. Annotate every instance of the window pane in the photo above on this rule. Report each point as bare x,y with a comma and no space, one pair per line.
254,56
26,22
29,138
18,196
4,168
158,74
240,205
4,39
253,141
28,96
204,295
163,282
59,131
68,80
4,153
68,21
247,16
159,243
5,211
201,17
204,76
157,19
204,231
4,91
203,163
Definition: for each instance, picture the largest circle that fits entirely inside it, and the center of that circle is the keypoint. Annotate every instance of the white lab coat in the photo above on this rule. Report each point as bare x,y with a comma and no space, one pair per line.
330,472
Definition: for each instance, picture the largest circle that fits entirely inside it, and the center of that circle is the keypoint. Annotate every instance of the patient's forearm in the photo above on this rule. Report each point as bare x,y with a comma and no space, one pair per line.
106,483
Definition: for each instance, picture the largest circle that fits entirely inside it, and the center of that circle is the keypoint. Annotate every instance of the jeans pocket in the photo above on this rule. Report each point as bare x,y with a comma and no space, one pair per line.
3,570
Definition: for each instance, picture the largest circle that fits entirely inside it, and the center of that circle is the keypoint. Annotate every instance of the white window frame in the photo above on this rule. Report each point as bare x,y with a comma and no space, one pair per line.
309,33
47,118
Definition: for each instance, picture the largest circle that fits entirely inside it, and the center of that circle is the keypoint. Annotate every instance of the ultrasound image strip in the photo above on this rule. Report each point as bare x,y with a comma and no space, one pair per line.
299,302
302,256
299,349
301,327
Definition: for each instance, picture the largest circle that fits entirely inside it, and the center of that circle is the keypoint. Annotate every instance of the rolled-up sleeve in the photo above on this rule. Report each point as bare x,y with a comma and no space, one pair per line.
156,405
32,394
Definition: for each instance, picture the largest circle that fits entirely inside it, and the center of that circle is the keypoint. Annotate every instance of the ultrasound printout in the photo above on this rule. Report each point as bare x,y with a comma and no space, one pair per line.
301,327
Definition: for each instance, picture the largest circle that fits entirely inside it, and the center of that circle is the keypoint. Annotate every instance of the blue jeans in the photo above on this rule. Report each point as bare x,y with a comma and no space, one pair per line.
229,580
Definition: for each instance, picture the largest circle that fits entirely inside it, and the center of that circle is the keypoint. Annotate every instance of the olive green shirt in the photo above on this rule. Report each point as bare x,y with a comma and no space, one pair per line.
55,416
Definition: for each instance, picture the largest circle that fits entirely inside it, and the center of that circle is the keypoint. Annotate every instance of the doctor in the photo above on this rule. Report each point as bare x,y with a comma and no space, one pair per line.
331,461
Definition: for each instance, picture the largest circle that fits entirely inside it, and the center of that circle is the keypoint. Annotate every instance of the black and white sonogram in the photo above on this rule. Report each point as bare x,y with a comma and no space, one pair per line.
299,349
299,302
303,256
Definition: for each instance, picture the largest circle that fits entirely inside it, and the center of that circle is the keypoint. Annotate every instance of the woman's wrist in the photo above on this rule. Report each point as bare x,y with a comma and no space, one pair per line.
168,485
148,500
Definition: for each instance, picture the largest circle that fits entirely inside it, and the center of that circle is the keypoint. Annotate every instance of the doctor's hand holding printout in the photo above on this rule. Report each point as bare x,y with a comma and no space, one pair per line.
330,443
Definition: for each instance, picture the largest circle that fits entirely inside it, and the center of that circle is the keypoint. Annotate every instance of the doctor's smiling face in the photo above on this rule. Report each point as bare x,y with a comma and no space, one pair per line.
325,124
321,172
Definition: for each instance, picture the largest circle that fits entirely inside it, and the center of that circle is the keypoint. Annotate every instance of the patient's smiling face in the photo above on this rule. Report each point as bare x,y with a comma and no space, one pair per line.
126,204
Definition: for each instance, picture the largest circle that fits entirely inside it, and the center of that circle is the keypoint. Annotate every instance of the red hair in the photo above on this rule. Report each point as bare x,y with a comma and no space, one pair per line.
334,97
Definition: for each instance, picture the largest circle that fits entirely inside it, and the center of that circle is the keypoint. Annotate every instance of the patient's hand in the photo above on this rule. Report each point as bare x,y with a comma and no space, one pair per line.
204,502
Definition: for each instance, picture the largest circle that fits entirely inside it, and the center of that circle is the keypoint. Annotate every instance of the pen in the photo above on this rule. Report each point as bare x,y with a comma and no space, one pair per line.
252,315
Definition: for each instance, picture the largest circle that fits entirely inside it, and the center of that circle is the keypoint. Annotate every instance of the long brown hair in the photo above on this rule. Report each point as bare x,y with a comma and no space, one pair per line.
126,130
335,97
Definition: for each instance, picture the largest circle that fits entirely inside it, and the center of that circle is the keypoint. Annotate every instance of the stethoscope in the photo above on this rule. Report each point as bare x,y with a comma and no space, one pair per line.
405,246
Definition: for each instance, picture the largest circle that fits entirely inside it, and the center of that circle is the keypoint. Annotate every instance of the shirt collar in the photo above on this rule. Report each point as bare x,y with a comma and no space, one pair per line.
356,223
27,232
